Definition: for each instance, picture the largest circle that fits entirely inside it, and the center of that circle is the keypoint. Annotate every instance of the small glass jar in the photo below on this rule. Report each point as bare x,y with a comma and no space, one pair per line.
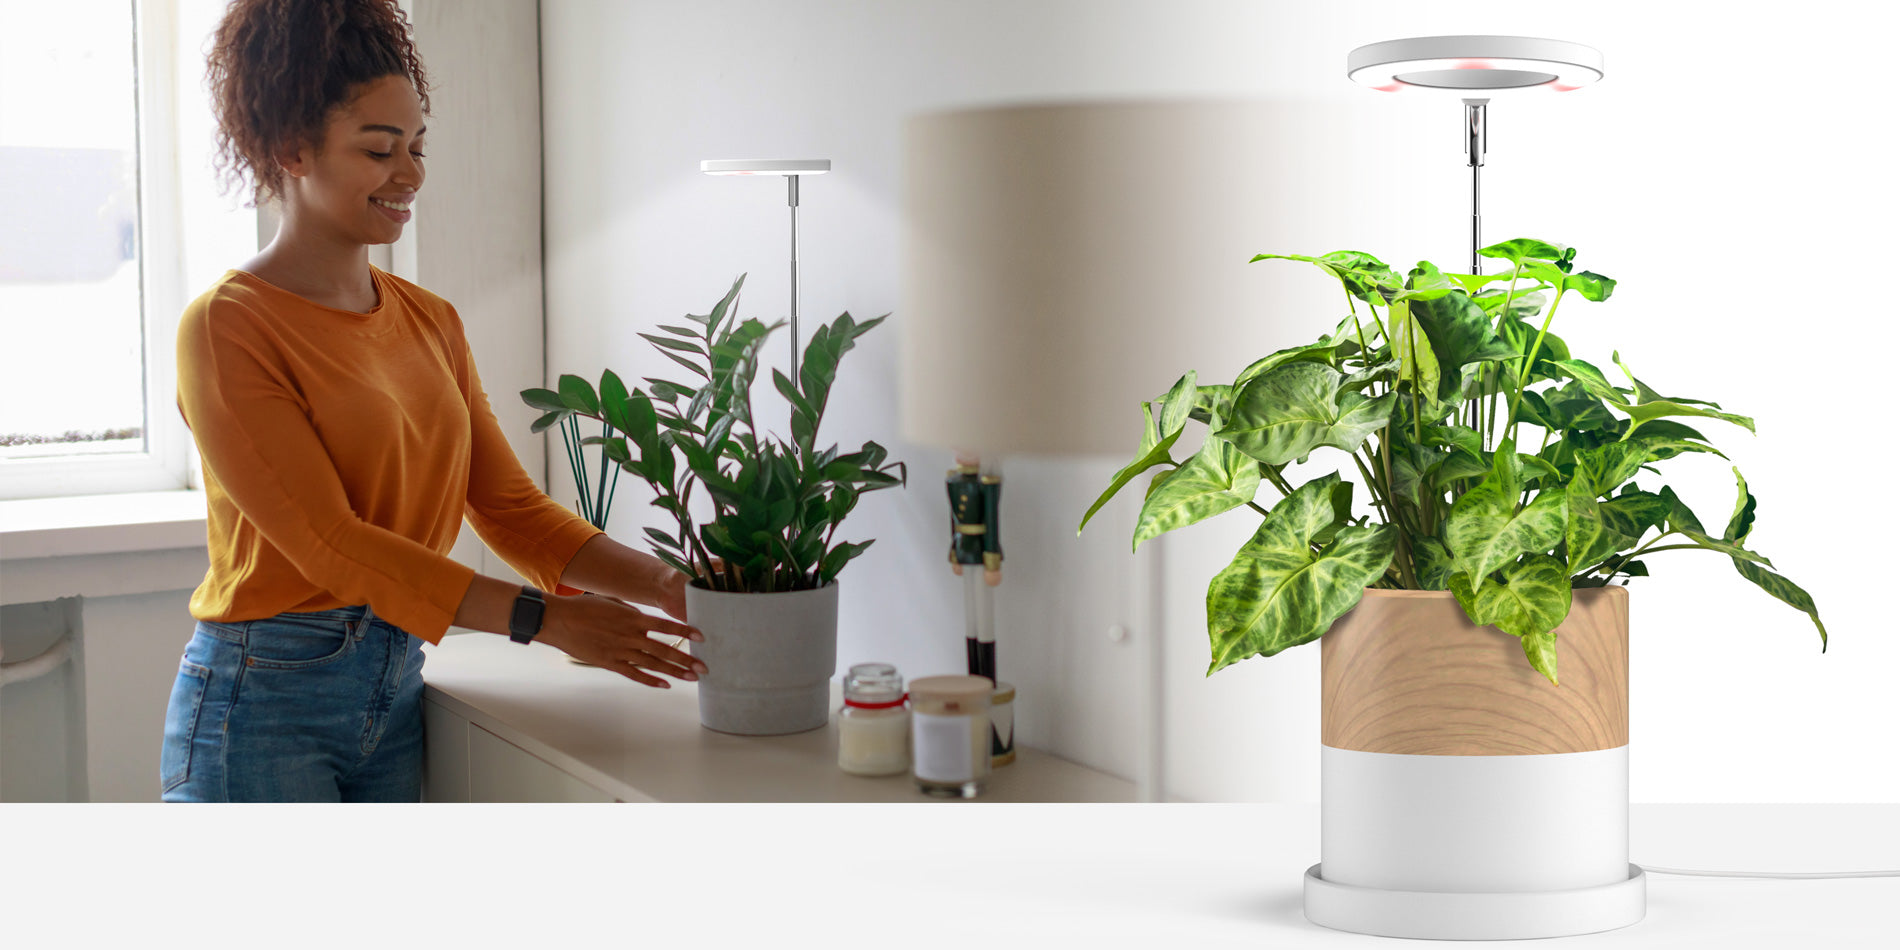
950,735
874,726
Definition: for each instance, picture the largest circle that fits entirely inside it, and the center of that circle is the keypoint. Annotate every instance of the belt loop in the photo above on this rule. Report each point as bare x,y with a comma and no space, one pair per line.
362,628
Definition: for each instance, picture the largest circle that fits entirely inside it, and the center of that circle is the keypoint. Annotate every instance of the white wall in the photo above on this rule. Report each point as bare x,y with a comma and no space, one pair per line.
1745,213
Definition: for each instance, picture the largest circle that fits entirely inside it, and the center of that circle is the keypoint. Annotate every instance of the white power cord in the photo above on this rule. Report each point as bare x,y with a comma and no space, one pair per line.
1772,874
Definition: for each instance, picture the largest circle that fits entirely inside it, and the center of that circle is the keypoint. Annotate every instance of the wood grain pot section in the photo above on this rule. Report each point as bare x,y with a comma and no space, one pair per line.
1407,672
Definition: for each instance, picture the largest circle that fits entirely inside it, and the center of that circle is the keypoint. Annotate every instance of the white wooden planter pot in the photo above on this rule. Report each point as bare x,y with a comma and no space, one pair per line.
1463,796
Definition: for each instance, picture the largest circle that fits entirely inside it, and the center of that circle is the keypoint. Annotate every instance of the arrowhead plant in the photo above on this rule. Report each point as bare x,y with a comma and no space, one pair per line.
775,504
1424,386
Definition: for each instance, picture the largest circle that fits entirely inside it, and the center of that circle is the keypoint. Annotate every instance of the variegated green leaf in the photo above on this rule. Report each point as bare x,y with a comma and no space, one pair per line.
1784,590
1518,250
1431,562
1154,451
1587,535
1486,530
1460,333
1343,341
1277,593
1364,276
1533,599
1412,348
1217,479
1743,520
1294,408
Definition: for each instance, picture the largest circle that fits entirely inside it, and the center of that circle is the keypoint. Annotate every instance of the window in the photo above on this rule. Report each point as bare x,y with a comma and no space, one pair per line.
110,222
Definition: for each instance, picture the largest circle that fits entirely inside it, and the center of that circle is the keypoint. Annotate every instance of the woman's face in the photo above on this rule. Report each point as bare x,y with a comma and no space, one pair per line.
359,183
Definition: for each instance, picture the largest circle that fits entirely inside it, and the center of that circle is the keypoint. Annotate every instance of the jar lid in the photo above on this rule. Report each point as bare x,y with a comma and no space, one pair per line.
967,689
874,683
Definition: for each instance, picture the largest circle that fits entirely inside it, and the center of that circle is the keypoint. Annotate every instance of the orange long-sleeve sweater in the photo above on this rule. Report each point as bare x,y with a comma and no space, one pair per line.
341,452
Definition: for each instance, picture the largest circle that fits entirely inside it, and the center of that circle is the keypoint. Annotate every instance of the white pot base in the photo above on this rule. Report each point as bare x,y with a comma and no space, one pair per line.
1439,915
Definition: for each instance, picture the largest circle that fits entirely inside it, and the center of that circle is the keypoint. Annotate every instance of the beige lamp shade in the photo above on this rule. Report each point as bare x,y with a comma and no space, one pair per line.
1065,262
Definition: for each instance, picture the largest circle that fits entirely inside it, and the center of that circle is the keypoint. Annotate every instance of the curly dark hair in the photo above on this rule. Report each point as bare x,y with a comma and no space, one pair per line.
278,67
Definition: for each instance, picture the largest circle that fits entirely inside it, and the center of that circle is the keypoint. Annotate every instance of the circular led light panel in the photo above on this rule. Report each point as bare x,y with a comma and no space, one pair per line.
1474,64
764,166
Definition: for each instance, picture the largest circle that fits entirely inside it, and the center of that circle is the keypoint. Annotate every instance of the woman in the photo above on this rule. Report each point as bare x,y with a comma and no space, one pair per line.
345,434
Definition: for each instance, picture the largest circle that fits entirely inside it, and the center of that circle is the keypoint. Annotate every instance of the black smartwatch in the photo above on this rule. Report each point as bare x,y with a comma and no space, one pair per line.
525,621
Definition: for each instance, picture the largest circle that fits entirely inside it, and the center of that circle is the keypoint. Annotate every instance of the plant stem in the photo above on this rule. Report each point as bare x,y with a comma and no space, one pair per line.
1491,399
571,440
1523,376
600,490
1411,351
1278,480
1372,485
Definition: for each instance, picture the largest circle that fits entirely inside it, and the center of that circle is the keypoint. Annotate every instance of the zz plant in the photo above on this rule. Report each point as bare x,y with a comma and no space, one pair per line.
1433,391
775,505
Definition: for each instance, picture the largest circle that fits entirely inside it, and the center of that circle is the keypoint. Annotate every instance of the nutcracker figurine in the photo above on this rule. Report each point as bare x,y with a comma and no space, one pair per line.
976,499
976,508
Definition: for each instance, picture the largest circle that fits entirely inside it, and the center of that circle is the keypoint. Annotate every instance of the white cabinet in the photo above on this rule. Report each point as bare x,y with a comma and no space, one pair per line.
467,763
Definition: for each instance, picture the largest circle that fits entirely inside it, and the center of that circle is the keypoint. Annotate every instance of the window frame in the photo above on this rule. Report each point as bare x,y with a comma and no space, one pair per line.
170,460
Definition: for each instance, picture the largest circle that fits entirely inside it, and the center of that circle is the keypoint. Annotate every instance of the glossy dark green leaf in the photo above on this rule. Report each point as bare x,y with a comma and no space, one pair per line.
838,557
614,400
1277,593
1294,408
577,394
545,400
542,424
672,344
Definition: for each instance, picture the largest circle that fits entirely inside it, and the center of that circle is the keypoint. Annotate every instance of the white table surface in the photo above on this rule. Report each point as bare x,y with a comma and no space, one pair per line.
1008,875
638,743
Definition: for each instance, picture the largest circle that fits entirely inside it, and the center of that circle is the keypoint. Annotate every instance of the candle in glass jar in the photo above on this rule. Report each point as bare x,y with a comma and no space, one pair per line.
950,734
874,726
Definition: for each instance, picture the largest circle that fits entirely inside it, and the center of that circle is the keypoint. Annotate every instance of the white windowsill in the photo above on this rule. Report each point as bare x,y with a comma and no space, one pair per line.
101,524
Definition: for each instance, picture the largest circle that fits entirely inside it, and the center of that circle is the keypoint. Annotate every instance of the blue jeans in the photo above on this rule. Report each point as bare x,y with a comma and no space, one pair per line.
322,706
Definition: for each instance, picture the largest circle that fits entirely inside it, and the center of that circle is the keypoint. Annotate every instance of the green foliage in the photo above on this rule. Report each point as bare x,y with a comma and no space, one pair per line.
775,505
1426,390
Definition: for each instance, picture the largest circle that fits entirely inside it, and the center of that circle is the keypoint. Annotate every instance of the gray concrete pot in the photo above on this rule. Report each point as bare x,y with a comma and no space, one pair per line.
769,659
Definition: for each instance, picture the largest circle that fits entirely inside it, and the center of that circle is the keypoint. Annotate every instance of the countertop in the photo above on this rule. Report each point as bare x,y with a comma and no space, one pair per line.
640,743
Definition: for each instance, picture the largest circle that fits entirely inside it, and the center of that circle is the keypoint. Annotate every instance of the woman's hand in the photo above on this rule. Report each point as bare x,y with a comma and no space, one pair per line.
669,591
609,634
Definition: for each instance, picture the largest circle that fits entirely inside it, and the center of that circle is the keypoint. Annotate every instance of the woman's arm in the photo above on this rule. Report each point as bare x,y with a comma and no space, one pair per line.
600,630
606,566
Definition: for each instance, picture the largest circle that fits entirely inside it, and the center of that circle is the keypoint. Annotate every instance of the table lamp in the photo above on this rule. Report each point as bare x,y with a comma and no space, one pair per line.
1065,262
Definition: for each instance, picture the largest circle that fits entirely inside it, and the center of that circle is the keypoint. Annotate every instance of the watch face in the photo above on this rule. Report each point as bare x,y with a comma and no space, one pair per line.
524,622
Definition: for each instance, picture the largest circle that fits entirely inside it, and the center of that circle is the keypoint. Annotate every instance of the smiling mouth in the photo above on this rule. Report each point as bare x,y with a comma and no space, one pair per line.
391,205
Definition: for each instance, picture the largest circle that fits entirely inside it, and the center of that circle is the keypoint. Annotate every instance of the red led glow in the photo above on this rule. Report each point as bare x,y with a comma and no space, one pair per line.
1393,86
1475,64
1561,87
